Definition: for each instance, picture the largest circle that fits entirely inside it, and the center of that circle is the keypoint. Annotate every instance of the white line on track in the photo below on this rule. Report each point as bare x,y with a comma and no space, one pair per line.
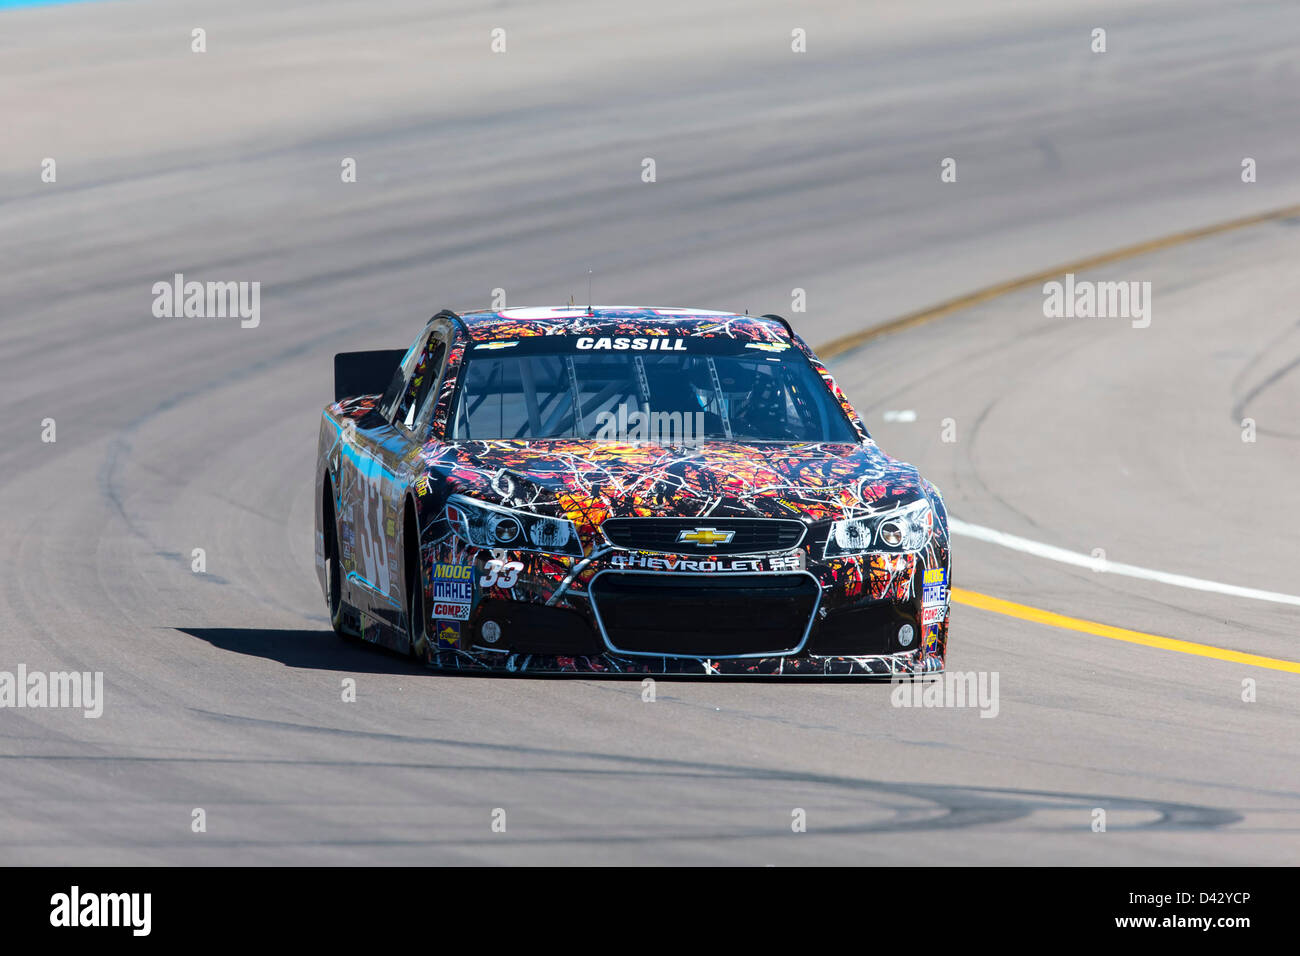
1053,553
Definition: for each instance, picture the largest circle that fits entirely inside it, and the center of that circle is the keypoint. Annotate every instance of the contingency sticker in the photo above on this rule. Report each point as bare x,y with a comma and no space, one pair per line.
448,633
453,591
934,583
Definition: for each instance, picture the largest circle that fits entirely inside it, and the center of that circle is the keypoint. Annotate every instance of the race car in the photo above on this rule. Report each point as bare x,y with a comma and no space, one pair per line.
622,490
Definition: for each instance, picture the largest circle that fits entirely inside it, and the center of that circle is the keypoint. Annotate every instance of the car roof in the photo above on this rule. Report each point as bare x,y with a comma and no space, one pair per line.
491,325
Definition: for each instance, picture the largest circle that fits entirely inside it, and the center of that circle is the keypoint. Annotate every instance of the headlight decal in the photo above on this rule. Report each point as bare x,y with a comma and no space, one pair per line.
482,525
901,530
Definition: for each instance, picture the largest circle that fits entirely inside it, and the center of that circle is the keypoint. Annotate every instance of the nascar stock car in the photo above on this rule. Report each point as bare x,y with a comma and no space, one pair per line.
622,490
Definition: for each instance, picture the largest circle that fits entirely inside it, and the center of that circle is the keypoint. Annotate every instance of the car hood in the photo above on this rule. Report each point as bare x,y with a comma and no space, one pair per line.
590,480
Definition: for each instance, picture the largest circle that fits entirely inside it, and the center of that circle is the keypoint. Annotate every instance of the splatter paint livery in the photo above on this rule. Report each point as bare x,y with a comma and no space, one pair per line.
469,514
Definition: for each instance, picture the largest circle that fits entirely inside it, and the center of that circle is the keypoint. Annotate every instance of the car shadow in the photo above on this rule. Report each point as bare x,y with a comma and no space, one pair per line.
305,648
323,650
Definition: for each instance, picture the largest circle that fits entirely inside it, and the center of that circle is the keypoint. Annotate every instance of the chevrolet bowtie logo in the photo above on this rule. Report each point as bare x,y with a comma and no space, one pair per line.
706,537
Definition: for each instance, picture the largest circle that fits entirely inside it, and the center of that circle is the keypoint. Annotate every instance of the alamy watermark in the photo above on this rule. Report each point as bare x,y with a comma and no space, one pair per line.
1084,299
976,689
642,424
63,689
74,908
179,299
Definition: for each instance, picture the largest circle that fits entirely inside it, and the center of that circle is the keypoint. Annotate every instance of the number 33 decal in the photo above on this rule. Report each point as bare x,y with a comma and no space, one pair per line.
501,574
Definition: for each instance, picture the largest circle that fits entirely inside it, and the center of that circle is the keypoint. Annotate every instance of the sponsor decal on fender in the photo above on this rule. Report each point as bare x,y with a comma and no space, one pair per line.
450,610
453,591
448,633
934,584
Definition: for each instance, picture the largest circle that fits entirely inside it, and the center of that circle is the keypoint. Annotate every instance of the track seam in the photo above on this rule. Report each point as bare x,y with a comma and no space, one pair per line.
847,343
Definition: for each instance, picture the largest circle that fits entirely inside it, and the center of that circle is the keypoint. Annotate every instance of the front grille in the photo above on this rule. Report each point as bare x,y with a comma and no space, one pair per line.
704,615
748,535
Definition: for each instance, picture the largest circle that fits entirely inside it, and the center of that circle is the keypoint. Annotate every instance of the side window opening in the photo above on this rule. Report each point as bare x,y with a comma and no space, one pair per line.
390,405
430,374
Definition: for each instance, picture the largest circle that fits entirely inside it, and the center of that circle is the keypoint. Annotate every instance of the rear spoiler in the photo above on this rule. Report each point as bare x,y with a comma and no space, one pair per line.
364,373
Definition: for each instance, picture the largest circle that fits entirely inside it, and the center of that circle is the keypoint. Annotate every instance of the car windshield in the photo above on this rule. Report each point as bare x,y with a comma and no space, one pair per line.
644,389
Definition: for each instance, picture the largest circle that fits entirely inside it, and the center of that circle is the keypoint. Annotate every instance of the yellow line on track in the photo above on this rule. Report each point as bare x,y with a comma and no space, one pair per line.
846,343
1026,613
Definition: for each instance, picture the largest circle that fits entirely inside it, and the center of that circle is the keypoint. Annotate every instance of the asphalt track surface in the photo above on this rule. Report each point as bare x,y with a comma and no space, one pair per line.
775,170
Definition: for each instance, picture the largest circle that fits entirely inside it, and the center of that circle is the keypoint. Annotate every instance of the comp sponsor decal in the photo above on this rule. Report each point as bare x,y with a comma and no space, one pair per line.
450,610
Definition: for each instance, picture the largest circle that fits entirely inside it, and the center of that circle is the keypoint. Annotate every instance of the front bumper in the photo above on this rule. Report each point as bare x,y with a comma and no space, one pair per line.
807,665
619,612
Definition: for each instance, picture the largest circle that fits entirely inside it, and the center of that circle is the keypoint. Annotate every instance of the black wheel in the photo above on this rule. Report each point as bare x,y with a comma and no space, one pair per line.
417,642
333,568
416,629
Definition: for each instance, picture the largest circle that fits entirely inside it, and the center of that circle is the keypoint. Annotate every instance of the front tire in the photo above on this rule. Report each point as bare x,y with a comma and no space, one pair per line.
334,568
417,631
